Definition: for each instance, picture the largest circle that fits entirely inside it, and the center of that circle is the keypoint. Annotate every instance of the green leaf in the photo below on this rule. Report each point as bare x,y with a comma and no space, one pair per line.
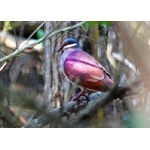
89,24
106,23
40,34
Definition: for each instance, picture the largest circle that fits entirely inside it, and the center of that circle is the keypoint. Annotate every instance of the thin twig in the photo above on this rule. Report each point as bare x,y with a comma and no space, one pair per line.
50,32
137,36
33,33
86,37
3,66
20,50
54,40
125,62
3,52
22,23
106,42
14,34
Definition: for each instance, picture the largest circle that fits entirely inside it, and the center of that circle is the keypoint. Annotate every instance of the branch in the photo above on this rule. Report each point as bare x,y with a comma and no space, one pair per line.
16,40
3,66
50,32
47,70
34,32
96,101
125,61
116,92
20,50
86,37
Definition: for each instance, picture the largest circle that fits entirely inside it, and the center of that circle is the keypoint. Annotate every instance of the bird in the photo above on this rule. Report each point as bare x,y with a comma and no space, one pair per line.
83,69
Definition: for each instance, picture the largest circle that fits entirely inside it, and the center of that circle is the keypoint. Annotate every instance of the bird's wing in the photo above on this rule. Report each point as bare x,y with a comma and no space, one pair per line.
88,58
95,74
81,64
102,68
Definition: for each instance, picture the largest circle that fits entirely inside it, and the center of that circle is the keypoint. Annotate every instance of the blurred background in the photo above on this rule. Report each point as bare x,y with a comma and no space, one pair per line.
32,83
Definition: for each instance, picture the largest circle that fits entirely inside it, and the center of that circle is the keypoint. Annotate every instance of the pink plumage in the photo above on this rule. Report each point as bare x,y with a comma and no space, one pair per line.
82,68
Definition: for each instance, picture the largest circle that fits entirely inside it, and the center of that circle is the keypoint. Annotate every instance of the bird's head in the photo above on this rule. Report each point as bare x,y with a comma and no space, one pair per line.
69,42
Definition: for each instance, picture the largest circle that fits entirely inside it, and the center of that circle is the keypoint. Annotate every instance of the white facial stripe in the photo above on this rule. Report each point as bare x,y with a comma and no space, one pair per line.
70,45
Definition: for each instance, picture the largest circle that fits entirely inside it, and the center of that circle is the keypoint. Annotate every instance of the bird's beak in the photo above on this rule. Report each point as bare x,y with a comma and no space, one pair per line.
61,48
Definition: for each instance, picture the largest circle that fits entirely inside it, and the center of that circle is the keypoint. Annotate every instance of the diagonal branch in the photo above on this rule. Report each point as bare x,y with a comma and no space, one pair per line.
50,32
86,37
34,32
20,50
96,101
3,66
14,34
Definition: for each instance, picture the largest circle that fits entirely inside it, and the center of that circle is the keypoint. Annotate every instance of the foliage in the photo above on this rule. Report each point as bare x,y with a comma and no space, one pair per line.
40,34
89,24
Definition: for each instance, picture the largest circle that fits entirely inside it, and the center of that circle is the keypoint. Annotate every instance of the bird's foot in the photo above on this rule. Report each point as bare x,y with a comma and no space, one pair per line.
77,96
79,99
82,101
83,98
